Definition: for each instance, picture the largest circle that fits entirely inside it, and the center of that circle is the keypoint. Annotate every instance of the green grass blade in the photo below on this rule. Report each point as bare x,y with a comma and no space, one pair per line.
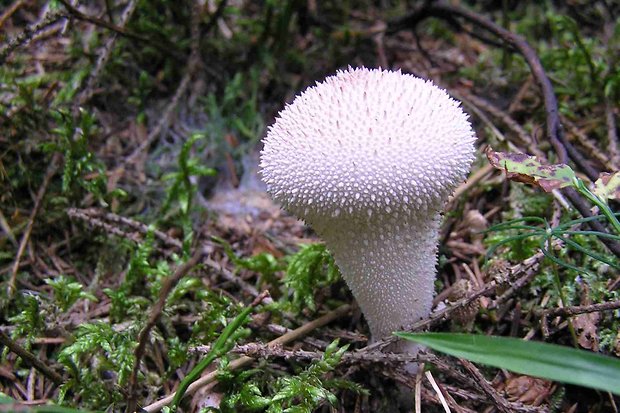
588,252
595,233
569,224
549,361
510,239
560,262
500,225
218,349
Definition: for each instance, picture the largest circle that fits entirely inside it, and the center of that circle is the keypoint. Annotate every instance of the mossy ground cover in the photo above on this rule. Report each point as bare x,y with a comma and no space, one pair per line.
129,134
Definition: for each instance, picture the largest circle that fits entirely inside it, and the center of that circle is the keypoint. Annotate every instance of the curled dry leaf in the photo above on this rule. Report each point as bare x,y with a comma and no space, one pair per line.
527,390
607,186
528,169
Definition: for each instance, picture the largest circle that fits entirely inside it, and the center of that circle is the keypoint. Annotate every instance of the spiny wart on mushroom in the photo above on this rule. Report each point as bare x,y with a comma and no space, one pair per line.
368,158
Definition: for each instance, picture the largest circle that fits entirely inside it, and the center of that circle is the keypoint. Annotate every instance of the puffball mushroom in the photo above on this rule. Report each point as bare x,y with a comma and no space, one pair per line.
368,158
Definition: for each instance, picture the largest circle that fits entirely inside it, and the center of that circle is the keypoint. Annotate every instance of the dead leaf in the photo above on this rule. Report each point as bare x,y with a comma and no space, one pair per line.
585,327
528,169
527,390
607,186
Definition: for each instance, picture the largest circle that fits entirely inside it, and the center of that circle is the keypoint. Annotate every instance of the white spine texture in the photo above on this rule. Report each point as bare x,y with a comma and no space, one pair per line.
368,158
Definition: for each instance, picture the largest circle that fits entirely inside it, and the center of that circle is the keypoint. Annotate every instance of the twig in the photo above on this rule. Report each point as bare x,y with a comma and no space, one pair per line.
612,134
418,391
168,48
580,309
96,222
472,181
156,311
258,350
104,56
242,361
30,359
10,11
524,138
500,402
554,130
28,33
51,171
442,399
588,144
93,217
529,271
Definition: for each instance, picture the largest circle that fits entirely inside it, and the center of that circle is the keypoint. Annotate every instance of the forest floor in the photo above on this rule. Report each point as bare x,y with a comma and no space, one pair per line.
134,227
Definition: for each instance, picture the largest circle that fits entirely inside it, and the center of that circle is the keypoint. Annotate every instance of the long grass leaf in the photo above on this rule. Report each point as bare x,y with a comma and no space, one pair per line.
549,361
509,240
588,252
595,233
559,261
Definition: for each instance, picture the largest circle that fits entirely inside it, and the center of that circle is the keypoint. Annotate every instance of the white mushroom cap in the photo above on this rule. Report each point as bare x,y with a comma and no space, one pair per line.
367,141
368,158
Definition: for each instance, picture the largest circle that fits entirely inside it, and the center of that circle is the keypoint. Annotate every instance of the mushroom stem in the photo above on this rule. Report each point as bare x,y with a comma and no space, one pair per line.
388,263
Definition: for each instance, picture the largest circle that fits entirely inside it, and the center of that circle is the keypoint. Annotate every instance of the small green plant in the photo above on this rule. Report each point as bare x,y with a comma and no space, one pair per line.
126,302
303,392
528,169
81,167
140,95
264,263
308,270
545,234
99,359
67,292
182,190
226,340
30,321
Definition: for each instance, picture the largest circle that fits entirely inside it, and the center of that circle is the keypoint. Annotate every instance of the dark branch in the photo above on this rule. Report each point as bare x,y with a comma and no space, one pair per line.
562,147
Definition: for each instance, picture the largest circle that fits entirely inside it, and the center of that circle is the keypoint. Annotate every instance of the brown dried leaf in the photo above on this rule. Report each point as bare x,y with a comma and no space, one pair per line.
528,169
527,390
607,186
585,326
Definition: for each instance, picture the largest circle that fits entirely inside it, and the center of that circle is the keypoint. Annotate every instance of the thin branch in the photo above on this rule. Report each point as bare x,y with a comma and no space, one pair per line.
500,402
612,133
95,218
9,11
258,350
30,359
28,33
446,11
51,171
104,56
589,145
580,309
156,311
168,48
